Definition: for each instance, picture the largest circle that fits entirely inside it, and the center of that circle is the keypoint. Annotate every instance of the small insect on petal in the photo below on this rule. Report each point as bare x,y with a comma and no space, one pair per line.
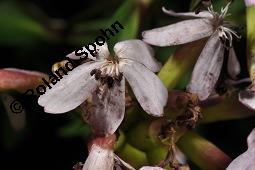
179,33
147,87
207,69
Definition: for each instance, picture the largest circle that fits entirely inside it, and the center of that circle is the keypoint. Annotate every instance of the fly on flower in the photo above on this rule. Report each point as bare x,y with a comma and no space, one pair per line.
103,78
204,24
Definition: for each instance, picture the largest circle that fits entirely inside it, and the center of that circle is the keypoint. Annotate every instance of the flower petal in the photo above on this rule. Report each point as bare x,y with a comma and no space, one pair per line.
147,87
138,51
18,79
102,52
245,161
99,158
251,139
120,164
151,168
107,110
201,14
234,67
70,91
247,97
179,33
249,3
207,69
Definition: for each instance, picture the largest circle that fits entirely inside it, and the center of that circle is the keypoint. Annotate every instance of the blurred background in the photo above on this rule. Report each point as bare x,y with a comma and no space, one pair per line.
34,34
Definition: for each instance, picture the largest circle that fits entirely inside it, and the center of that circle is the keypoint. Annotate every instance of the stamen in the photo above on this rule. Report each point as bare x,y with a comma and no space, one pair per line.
108,73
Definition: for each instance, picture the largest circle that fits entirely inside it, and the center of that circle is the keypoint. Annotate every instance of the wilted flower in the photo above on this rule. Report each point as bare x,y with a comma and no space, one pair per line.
245,161
205,24
103,78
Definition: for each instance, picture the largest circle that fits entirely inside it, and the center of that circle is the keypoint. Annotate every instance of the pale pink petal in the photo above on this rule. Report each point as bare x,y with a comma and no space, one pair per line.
249,2
207,69
151,168
71,90
245,161
234,67
179,33
102,52
247,97
99,159
201,14
138,51
251,139
108,108
147,87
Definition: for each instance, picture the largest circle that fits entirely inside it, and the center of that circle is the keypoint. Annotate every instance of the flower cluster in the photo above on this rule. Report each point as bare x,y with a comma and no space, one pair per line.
99,86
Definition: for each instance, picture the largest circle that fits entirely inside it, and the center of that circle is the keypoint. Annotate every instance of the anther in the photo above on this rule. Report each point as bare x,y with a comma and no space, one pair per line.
110,82
93,72
98,74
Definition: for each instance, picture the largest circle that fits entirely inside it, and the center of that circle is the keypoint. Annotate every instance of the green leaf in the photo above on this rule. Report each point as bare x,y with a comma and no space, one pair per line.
128,16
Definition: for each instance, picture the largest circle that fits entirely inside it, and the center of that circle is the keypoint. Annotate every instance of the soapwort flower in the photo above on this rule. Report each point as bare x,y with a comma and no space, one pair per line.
204,24
245,161
103,78
102,156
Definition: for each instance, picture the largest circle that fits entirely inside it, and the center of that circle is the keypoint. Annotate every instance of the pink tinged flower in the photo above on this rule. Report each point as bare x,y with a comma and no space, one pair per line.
249,2
104,78
245,161
205,24
101,156
18,79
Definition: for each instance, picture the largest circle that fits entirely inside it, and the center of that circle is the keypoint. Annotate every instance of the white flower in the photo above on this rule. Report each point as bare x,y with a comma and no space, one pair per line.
245,161
102,157
102,79
205,24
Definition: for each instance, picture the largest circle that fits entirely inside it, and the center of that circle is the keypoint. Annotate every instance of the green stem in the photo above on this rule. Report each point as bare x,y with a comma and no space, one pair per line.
202,152
180,63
